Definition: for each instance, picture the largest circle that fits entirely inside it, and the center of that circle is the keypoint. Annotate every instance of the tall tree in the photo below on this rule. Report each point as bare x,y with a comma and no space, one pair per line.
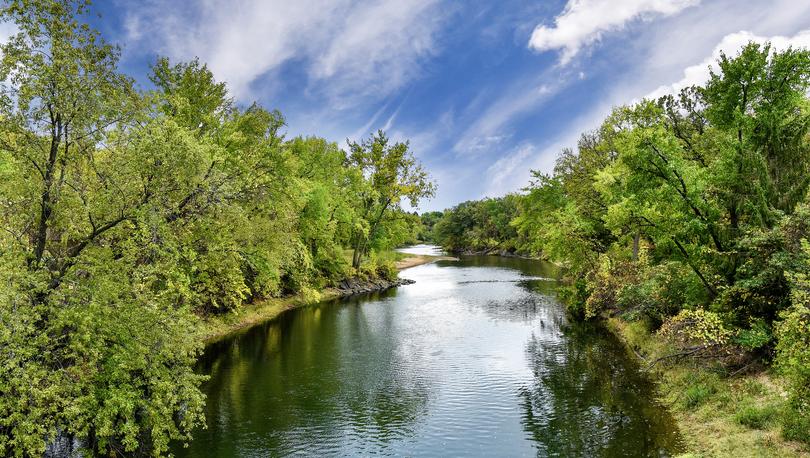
393,175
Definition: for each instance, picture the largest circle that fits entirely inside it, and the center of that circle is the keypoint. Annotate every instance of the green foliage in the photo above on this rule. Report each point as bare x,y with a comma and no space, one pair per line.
128,216
796,420
793,353
757,337
428,221
392,176
479,226
696,327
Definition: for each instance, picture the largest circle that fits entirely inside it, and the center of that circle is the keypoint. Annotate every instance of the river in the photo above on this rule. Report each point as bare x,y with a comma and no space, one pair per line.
475,358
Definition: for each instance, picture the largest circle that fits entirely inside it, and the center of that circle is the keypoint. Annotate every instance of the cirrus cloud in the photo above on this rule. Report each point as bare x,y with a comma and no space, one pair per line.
345,49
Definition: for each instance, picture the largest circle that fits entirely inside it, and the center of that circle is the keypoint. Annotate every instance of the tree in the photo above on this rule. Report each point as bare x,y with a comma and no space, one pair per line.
91,346
392,175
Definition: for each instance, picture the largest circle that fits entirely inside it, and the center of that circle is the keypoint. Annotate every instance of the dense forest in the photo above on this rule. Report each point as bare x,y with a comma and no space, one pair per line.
690,213
129,214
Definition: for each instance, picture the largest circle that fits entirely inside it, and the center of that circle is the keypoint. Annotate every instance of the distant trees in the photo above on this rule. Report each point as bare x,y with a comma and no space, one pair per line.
480,226
127,216
428,220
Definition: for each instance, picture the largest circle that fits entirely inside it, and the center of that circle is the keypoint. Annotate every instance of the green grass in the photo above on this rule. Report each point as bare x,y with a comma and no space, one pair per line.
757,417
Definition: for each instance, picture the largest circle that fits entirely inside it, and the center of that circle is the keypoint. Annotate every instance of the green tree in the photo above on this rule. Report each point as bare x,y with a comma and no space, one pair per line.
392,175
92,347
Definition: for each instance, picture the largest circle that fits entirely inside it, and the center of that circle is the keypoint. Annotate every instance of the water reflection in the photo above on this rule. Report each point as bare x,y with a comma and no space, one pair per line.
422,249
475,358
586,401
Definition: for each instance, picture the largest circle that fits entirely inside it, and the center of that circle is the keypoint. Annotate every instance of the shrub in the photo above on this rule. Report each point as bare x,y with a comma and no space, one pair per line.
796,421
756,417
755,338
387,270
612,285
696,327
793,354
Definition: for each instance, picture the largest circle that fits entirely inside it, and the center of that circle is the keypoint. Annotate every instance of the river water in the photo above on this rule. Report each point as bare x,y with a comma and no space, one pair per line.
476,358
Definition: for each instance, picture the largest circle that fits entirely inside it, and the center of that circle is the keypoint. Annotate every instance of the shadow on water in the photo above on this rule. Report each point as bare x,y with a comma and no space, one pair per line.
475,358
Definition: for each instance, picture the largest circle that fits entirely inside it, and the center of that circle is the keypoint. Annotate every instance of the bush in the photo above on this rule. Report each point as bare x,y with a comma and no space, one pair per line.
612,285
757,337
696,327
697,394
796,420
387,270
756,417
793,354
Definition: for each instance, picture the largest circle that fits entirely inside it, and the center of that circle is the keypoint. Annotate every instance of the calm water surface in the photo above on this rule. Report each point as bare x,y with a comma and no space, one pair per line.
475,358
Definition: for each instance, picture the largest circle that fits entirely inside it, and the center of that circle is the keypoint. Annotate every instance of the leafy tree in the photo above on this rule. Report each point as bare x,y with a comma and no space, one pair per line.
392,176
428,221
92,347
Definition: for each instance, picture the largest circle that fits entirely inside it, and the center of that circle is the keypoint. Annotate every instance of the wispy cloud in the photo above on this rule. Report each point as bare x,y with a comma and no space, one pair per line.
509,170
490,130
584,21
346,48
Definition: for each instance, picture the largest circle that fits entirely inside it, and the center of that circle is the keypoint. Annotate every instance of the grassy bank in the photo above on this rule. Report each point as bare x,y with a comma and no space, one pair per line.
718,414
217,327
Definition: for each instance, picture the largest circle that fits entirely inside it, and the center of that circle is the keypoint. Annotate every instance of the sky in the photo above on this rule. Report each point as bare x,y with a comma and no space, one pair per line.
485,91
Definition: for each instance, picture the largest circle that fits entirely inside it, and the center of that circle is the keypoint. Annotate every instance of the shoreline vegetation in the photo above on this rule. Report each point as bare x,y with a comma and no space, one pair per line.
216,328
684,223
718,414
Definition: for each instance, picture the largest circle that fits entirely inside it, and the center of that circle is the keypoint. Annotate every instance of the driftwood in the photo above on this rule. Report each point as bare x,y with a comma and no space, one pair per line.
688,352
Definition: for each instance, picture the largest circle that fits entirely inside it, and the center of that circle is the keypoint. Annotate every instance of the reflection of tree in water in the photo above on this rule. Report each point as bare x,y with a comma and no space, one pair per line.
317,375
587,399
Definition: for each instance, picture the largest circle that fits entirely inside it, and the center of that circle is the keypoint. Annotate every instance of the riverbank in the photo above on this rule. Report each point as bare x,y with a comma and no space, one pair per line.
219,327
718,416
419,259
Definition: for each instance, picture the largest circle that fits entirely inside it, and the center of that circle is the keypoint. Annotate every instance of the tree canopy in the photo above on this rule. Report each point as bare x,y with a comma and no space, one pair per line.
129,216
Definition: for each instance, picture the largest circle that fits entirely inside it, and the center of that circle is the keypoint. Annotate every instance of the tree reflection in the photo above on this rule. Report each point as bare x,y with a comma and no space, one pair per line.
316,375
588,399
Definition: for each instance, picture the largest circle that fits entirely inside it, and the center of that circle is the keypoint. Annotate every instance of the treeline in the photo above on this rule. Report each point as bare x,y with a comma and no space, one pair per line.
129,214
483,226
690,213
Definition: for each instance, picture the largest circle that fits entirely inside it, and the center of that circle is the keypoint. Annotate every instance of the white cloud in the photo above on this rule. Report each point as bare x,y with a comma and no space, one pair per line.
731,44
346,49
584,21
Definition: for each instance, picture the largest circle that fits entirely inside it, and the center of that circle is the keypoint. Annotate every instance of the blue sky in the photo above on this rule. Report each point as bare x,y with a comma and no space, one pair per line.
484,90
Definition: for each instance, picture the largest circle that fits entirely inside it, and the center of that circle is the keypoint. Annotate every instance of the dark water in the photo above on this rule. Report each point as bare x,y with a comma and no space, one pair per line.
475,358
